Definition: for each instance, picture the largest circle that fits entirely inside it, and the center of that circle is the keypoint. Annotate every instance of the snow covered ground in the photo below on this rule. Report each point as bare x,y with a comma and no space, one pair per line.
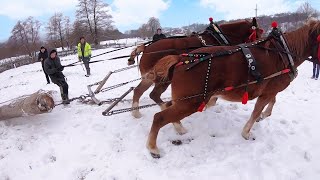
76,142
127,41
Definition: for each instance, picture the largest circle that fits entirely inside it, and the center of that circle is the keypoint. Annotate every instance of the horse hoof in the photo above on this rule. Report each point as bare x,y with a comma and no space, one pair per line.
155,156
248,136
180,129
136,114
260,119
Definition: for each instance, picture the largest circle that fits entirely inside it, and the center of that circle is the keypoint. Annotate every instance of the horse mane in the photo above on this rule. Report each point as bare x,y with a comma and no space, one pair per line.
298,40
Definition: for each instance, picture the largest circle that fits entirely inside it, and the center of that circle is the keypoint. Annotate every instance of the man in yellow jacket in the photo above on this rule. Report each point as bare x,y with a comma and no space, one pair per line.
84,54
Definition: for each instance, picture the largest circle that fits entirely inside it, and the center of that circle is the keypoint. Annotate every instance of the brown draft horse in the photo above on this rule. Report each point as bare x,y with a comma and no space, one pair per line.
236,32
231,70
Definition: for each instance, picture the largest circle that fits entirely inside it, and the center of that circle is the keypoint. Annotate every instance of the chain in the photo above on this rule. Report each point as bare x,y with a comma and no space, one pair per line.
123,69
82,98
120,111
118,85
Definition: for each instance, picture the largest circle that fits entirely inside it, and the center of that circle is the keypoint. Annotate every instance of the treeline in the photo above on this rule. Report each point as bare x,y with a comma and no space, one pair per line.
93,21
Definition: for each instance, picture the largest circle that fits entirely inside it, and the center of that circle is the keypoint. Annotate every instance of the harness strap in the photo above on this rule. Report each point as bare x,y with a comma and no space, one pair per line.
200,57
218,30
278,35
252,63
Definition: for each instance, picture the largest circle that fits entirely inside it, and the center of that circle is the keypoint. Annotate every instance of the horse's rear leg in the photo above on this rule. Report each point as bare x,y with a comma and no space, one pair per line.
174,113
268,110
137,93
262,101
155,94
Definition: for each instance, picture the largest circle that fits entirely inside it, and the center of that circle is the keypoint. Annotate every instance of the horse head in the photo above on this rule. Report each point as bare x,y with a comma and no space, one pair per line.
237,32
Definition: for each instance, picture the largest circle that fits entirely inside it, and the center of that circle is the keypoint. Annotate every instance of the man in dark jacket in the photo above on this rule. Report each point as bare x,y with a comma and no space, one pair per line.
159,35
53,67
43,55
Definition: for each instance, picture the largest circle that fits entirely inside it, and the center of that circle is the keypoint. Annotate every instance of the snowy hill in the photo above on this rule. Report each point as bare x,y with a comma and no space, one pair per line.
76,142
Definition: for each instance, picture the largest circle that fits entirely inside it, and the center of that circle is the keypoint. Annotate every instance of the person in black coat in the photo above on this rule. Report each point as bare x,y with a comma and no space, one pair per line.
53,67
43,55
158,36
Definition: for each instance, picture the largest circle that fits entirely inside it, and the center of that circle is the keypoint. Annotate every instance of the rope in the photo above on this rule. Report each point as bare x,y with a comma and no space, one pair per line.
21,97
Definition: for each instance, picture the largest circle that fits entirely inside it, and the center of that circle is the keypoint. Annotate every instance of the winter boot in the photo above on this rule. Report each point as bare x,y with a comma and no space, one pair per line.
88,73
65,99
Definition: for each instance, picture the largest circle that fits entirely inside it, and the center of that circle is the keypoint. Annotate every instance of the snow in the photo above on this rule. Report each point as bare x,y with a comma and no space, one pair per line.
76,142
126,41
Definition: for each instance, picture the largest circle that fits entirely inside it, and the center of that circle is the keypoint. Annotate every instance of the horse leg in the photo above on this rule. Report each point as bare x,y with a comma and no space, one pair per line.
212,102
137,93
268,110
262,101
155,95
174,113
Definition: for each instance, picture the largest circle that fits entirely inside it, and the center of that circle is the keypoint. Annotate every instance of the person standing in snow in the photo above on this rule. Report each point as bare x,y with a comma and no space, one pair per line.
43,55
316,65
53,67
84,54
158,36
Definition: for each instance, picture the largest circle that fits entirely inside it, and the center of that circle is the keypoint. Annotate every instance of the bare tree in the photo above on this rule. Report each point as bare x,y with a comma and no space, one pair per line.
308,10
94,15
68,32
150,28
25,34
153,24
57,29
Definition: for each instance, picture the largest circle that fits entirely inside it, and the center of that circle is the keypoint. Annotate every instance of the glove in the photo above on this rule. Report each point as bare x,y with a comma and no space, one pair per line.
79,59
60,68
89,57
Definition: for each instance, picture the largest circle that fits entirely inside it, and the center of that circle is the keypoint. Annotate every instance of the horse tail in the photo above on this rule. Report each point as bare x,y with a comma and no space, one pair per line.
163,70
136,51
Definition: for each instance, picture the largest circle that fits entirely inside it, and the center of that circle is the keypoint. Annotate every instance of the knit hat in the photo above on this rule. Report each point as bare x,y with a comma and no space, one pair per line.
53,51
42,47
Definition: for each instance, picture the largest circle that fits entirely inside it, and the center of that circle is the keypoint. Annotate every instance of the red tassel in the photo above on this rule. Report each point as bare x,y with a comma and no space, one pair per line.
179,64
253,36
285,71
229,88
319,50
261,31
245,97
202,107
318,38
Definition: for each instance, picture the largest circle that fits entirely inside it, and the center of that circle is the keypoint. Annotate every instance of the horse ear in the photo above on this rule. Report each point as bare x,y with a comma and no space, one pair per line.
254,22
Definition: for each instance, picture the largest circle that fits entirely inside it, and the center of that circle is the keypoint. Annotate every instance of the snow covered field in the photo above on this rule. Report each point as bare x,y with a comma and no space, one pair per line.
76,142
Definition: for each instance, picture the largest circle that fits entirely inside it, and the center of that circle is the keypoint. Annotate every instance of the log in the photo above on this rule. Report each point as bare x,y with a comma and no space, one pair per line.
37,103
